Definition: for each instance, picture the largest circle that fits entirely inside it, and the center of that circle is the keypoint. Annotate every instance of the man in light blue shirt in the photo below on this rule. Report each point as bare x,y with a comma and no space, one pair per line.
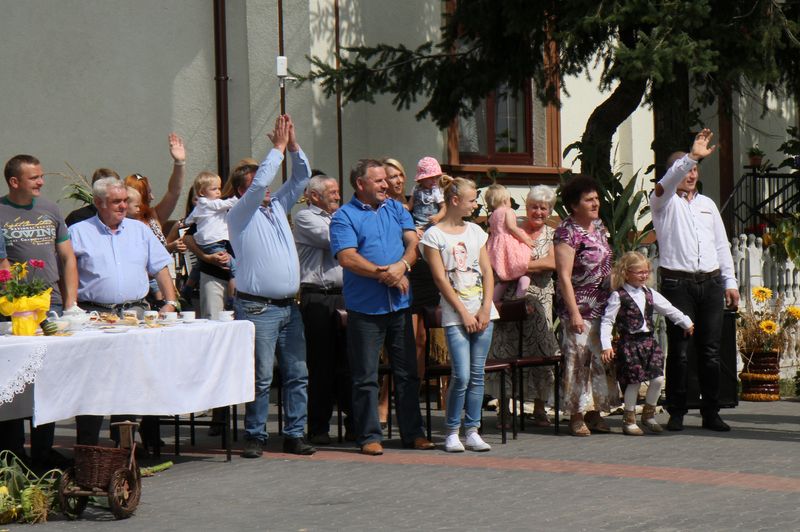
267,280
375,241
115,254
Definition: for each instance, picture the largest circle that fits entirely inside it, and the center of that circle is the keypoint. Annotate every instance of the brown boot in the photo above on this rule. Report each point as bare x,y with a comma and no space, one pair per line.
629,425
649,419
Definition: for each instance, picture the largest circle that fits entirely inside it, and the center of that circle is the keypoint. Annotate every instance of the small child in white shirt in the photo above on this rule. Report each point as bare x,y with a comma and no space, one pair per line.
209,215
639,358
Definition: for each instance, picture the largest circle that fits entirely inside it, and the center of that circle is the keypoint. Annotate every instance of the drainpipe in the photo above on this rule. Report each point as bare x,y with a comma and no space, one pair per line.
338,99
281,51
221,79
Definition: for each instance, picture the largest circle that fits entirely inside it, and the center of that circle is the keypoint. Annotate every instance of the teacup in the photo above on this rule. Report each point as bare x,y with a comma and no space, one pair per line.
150,317
188,315
225,315
170,316
129,313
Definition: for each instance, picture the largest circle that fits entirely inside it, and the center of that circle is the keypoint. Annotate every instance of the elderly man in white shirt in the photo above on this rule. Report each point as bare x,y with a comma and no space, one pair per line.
320,296
696,276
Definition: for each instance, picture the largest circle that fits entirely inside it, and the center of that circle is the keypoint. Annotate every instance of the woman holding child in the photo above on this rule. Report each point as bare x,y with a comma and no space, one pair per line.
537,330
583,263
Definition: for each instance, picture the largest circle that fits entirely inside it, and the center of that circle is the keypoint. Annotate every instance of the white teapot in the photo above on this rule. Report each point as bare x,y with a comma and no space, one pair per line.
77,318
61,323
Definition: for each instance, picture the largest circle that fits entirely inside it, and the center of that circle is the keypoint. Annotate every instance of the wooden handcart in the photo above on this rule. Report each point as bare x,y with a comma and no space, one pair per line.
103,472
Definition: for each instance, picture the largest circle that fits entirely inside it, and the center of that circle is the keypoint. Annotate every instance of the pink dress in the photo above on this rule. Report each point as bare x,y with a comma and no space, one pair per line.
508,255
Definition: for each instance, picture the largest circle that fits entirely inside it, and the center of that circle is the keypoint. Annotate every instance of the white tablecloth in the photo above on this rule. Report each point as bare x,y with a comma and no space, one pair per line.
163,371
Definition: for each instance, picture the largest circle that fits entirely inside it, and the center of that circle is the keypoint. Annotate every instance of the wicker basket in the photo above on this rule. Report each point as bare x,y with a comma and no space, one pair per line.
95,465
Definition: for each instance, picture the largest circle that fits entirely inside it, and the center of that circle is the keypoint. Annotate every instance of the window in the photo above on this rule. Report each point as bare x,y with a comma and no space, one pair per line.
499,132
511,132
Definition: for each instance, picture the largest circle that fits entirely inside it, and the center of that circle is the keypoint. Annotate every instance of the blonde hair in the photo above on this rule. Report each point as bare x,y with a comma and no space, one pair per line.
133,192
625,263
495,196
454,186
388,161
205,179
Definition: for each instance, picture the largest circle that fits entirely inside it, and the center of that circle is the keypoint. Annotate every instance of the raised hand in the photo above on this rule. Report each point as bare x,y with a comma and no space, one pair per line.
701,147
176,149
280,135
292,145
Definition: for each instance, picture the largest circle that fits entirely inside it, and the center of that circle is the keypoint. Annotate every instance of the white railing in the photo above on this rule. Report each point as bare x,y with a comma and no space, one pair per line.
753,266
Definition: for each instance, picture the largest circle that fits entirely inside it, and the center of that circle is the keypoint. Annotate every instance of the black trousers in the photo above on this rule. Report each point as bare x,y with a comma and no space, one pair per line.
88,429
326,357
12,438
704,303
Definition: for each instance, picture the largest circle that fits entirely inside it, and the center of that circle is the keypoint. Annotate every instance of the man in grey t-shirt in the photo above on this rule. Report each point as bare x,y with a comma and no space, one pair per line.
33,228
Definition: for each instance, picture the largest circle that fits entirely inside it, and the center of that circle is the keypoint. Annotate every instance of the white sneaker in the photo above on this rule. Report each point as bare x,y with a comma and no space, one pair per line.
452,444
476,443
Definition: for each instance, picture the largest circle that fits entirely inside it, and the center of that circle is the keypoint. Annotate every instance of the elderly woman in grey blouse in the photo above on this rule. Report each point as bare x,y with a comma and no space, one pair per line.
537,335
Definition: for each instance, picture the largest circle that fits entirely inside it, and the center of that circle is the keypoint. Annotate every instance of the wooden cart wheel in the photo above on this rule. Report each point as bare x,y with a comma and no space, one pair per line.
124,491
72,505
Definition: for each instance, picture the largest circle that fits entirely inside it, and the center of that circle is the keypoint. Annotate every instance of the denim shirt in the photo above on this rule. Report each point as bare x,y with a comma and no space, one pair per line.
377,235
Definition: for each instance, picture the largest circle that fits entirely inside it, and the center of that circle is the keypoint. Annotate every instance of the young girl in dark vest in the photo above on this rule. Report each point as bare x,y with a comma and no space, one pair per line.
638,357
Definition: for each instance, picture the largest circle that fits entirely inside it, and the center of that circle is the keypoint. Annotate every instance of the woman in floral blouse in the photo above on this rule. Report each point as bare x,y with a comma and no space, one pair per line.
583,265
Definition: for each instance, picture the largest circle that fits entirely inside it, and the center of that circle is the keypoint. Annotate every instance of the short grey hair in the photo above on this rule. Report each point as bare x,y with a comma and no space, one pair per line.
319,183
542,194
101,186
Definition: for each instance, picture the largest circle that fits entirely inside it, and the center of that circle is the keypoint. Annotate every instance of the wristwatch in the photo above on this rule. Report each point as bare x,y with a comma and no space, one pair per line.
408,266
173,303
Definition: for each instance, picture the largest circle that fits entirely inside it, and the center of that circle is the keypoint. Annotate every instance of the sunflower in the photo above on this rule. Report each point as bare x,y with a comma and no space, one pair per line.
761,293
793,311
768,326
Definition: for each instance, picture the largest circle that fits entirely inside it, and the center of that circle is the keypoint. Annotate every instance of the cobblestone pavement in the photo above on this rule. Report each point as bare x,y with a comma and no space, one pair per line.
747,479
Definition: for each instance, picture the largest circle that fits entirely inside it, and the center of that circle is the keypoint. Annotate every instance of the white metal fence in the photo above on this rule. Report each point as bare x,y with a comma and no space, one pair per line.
754,266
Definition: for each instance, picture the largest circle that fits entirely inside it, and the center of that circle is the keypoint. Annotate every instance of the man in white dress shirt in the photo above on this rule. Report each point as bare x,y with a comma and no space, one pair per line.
696,270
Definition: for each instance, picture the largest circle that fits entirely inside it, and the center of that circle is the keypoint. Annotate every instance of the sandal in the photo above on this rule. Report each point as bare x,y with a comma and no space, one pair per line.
579,428
596,423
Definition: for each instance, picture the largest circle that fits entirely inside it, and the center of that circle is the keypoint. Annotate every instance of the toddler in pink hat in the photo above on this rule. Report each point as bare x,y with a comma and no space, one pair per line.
427,200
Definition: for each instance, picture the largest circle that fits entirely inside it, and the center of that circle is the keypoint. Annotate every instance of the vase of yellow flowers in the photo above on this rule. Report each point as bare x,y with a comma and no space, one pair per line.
763,330
24,296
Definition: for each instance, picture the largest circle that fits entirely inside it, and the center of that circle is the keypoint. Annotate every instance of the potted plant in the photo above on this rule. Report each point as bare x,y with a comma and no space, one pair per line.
756,156
26,299
762,332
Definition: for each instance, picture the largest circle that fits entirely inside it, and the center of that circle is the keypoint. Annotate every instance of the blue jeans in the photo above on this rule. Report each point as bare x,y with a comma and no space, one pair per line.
366,333
282,328
468,356
216,247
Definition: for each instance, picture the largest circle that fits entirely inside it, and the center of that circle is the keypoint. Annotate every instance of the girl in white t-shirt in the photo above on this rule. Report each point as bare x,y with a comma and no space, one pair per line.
456,253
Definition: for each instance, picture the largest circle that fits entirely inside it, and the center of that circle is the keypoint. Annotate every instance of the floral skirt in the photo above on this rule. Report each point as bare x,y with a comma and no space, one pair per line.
639,359
587,384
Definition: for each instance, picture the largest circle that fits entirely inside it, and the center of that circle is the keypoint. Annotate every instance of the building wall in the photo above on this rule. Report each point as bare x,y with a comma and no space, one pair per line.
103,82
372,130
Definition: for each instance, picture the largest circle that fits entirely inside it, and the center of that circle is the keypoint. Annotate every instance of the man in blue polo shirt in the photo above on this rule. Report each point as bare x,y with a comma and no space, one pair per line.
375,241
267,280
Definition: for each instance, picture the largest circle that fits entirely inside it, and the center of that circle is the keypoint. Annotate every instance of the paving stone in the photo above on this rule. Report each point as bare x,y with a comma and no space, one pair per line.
748,479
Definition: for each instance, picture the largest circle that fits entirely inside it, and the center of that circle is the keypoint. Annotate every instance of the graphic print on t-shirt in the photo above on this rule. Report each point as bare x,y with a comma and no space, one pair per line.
38,232
466,279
